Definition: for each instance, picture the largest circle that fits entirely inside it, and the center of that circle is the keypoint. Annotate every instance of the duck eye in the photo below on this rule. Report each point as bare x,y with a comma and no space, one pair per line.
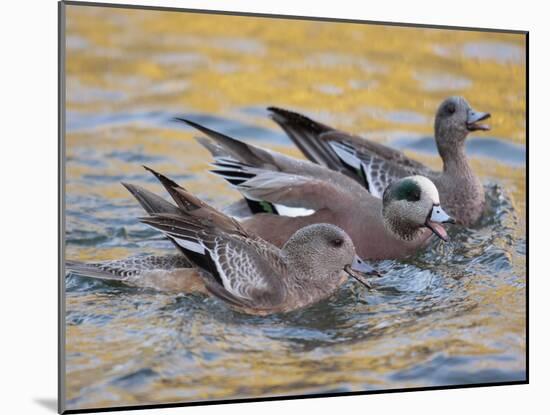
337,242
415,196
451,108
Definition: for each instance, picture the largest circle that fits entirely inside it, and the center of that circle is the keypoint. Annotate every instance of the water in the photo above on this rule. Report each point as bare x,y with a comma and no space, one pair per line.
453,314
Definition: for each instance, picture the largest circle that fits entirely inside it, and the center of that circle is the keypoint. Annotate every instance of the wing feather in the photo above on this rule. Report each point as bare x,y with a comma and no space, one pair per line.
371,164
248,268
122,269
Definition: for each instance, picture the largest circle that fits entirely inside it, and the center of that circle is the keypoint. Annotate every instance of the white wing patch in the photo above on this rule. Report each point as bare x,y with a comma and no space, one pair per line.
248,180
293,212
346,154
192,245
371,169
195,246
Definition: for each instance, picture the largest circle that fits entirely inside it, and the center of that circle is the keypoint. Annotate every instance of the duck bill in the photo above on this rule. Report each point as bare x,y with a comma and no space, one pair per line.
474,119
434,220
359,269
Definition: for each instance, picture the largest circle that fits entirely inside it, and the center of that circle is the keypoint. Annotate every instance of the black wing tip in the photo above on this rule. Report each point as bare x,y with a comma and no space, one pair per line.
214,135
284,111
197,126
294,119
184,120
162,178
149,169
277,109
278,114
155,173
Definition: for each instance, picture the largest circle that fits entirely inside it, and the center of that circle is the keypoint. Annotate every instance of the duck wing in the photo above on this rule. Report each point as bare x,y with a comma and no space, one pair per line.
242,271
374,172
272,182
240,268
277,192
371,164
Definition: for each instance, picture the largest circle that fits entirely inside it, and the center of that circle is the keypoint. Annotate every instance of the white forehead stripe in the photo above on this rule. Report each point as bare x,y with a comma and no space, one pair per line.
427,187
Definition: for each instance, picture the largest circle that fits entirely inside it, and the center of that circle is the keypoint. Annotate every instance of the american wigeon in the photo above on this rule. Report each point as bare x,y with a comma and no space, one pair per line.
277,187
247,272
375,166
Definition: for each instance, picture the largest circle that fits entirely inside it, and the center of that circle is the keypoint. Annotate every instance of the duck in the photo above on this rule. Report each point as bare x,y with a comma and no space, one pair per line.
284,194
375,165
245,271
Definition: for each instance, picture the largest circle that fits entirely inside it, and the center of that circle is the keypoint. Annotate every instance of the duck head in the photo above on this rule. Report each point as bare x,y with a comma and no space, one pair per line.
411,204
454,120
325,249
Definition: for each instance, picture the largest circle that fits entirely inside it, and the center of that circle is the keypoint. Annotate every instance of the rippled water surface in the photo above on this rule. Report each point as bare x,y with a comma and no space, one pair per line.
453,314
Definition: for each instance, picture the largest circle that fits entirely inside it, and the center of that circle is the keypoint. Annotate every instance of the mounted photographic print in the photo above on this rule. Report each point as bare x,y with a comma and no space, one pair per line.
264,207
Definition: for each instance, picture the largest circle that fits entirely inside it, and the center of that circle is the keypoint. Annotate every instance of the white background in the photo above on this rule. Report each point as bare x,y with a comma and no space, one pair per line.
28,208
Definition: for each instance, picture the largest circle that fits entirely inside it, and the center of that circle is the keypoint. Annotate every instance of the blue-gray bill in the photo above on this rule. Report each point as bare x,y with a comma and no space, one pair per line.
359,269
434,220
474,117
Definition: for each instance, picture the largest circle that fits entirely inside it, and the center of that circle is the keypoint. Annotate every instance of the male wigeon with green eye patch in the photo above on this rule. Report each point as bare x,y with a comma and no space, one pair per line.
283,194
